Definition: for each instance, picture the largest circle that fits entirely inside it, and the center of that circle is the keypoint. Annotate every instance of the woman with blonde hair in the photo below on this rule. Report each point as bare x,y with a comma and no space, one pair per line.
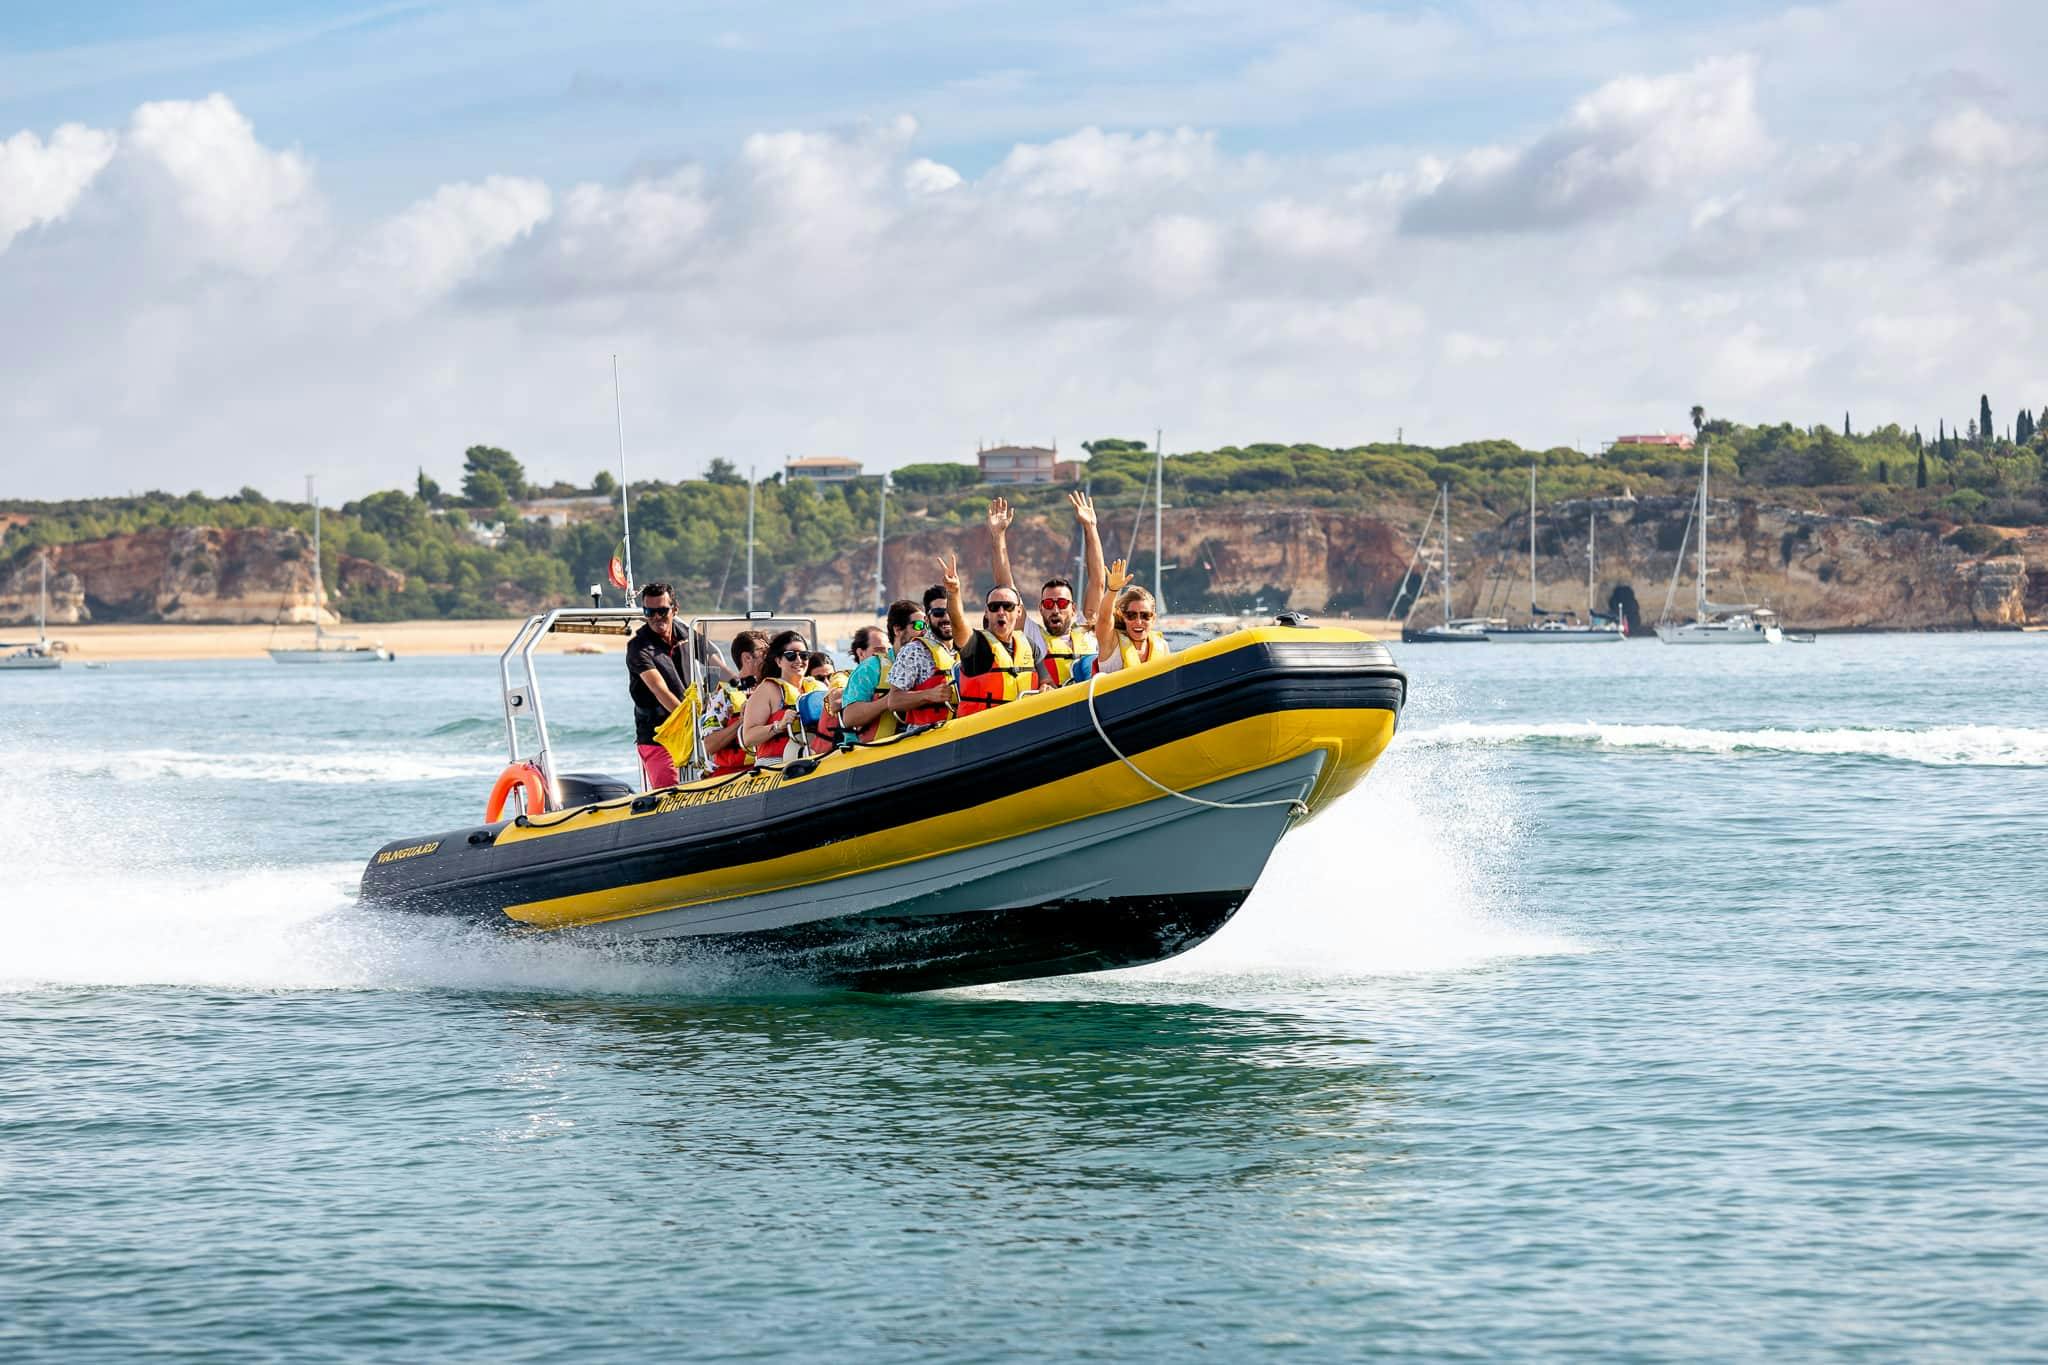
1125,618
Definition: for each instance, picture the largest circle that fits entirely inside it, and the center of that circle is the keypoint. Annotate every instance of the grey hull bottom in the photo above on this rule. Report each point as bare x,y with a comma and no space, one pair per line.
1116,890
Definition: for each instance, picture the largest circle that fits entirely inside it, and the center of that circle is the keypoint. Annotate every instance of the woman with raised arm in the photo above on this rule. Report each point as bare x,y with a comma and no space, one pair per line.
1125,621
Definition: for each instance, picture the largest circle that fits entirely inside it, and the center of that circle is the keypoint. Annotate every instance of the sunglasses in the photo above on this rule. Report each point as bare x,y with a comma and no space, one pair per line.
792,655
1055,603
1003,606
657,611
1137,614
917,625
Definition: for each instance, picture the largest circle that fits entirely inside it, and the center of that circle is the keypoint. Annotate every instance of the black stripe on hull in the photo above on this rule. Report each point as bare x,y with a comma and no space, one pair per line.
928,953
920,782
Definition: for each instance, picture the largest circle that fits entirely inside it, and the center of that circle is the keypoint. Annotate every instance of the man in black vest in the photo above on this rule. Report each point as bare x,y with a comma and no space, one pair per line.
656,664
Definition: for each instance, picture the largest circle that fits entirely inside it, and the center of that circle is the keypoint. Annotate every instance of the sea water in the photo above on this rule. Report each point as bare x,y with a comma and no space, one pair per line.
1644,1003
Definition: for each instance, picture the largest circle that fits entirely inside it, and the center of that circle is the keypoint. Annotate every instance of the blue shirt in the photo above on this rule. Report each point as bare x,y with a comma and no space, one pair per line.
862,682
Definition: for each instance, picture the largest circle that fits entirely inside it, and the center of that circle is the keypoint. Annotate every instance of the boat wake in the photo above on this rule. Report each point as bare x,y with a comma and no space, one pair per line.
1411,873
1992,746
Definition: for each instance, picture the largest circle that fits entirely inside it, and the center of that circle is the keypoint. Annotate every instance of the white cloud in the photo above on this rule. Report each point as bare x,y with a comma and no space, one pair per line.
839,289
924,176
247,206
1092,162
1632,137
439,242
40,181
1461,347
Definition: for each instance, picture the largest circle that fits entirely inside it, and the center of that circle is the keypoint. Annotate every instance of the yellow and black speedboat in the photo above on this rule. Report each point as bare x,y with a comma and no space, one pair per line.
1100,825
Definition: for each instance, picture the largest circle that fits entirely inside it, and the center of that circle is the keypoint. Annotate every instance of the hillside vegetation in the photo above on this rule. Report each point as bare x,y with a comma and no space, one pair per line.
692,532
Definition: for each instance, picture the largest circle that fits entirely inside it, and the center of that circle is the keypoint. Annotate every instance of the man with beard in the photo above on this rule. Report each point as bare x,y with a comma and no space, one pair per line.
1060,640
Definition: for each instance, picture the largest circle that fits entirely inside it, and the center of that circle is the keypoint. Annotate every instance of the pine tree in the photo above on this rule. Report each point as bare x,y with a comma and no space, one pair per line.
1920,474
1845,424
1985,431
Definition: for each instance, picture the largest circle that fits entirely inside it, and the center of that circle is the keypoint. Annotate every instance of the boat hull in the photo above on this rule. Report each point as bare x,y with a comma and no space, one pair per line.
1695,634
1005,845
1556,637
331,656
29,664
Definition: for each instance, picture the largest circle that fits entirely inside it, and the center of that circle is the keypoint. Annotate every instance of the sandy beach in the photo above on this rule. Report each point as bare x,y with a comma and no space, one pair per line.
117,643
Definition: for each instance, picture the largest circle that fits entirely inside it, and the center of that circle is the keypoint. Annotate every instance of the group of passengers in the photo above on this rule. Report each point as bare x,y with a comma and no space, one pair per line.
782,698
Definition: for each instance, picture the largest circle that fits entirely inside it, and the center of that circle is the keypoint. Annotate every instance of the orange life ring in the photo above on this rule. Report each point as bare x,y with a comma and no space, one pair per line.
527,778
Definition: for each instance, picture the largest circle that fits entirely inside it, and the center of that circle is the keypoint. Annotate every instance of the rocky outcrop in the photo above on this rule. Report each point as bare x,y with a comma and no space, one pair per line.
1819,572
185,574
1275,557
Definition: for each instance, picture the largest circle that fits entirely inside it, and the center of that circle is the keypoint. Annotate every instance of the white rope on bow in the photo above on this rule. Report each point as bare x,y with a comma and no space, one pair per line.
1300,807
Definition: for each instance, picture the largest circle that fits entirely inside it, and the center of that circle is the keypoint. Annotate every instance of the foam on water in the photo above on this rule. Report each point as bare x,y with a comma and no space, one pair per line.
1997,746
1411,872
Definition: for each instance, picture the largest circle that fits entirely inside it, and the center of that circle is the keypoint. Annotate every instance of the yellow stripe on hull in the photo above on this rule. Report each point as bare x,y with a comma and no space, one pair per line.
1350,739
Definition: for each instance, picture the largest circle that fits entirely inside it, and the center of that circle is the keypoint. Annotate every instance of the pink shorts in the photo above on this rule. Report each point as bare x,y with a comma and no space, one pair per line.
659,767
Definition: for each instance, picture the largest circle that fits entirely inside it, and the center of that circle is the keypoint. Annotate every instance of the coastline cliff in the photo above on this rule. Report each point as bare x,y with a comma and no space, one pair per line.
186,574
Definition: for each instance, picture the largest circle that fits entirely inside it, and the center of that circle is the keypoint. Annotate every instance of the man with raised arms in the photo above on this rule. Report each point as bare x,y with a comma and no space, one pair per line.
1062,641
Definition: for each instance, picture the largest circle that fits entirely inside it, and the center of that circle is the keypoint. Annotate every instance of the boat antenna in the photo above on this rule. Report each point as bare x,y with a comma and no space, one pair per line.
625,488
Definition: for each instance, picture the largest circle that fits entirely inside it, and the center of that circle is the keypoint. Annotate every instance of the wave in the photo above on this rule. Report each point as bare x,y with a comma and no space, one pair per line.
1992,746
318,767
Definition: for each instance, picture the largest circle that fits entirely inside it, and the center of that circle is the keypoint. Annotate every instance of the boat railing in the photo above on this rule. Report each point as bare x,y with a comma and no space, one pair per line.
519,680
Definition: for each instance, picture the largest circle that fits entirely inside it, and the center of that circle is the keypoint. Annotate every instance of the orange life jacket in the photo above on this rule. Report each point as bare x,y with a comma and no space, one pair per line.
1012,675
778,746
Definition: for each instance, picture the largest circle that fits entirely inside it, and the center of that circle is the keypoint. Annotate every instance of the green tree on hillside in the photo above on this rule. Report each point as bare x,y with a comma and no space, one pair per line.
722,471
1984,428
491,476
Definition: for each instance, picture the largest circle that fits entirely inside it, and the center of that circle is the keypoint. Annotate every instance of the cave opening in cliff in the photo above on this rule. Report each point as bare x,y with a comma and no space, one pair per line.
1621,602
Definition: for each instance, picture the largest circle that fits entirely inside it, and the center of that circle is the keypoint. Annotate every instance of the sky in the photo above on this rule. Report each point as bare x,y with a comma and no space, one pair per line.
241,243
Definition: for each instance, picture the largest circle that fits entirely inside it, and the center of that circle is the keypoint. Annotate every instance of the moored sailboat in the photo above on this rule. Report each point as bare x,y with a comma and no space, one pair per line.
1713,623
36,654
320,652
1451,630
1560,628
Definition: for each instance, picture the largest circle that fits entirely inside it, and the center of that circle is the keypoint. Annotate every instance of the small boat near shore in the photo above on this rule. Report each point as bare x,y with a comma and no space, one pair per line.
1094,826
1451,630
1713,623
35,655
321,652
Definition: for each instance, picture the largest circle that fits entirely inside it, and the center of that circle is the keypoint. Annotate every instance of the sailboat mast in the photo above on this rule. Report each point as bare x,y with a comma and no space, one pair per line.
881,532
1158,514
1591,590
43,603
1532,542
1445,494
1700,560
750,540
319,577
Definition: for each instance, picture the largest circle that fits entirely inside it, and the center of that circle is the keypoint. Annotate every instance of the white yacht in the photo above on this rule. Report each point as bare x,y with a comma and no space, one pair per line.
1713,623
24,655
1560,628
321,652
